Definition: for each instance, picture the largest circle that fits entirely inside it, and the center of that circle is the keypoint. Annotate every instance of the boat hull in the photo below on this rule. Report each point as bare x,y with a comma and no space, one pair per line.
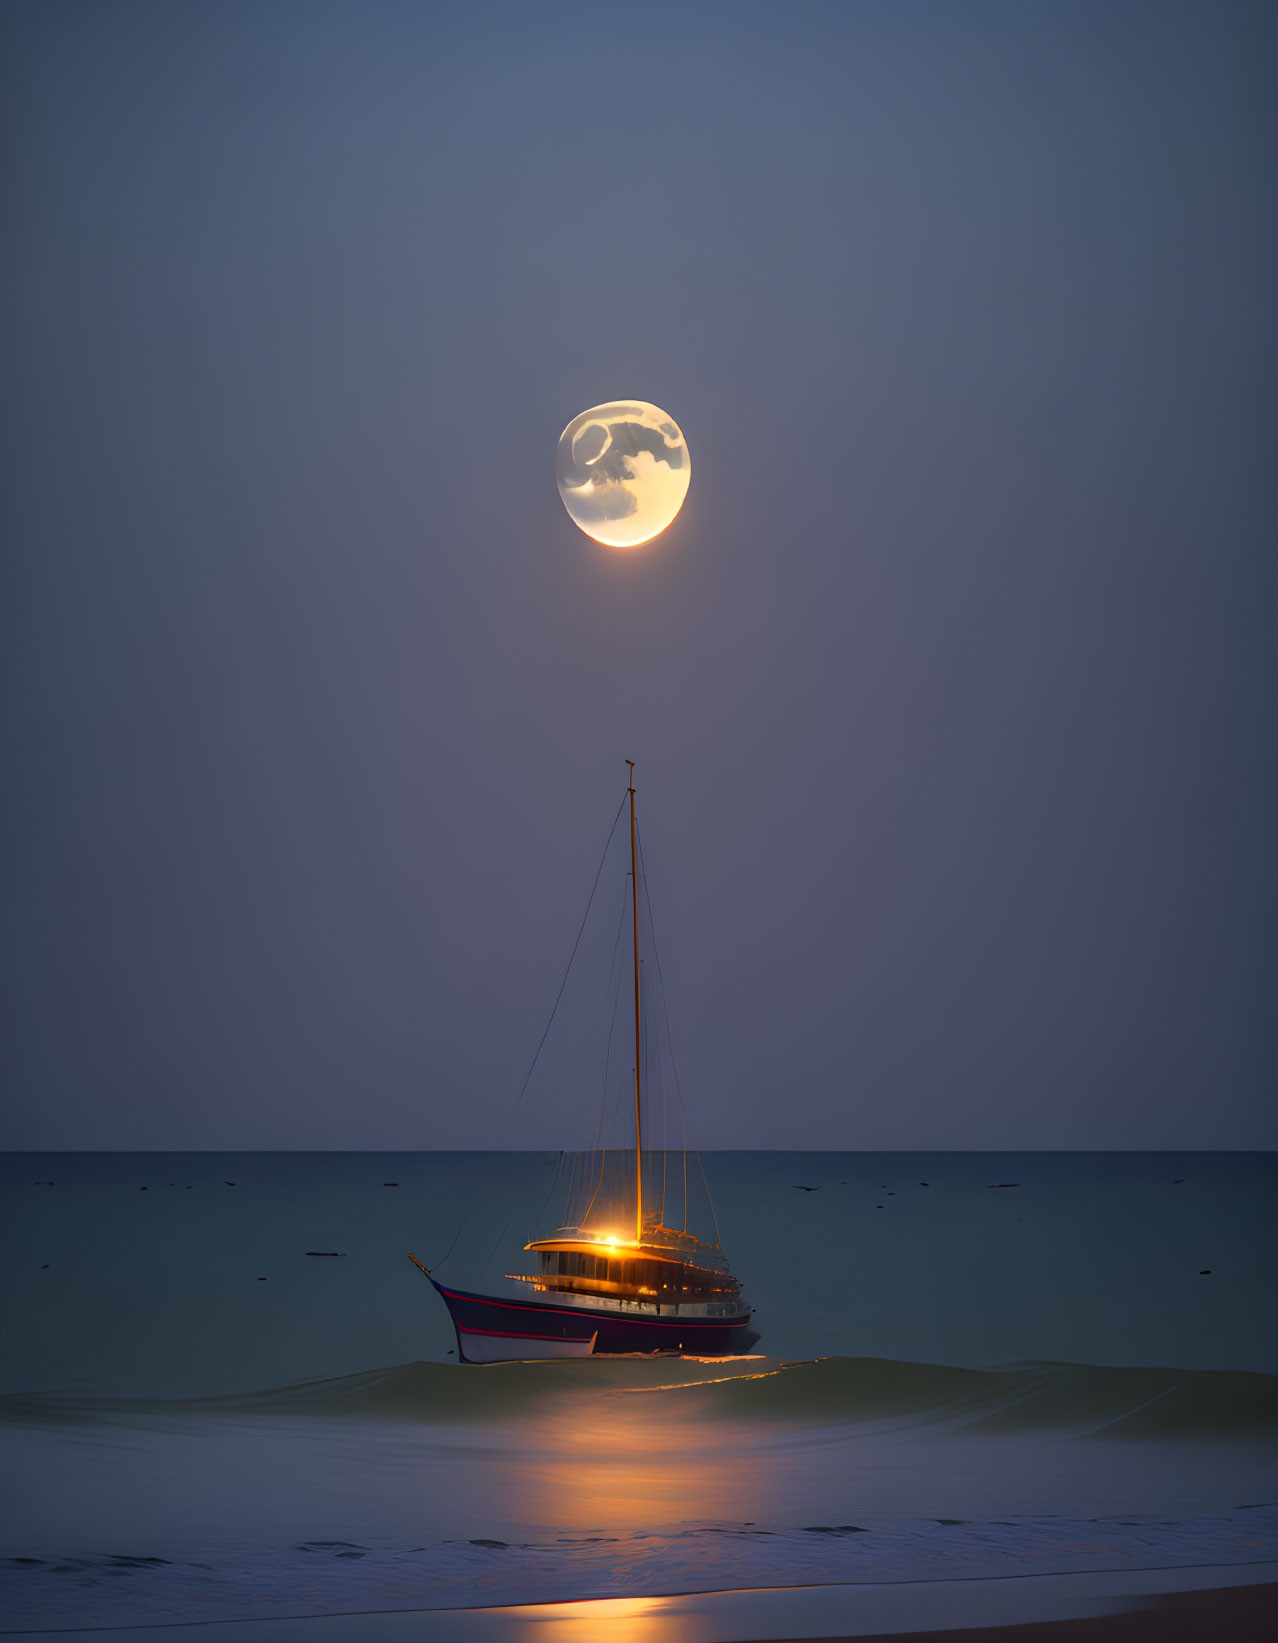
492,1330
508,1348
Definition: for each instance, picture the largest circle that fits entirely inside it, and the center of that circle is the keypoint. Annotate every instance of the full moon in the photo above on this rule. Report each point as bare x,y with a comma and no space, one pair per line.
623,471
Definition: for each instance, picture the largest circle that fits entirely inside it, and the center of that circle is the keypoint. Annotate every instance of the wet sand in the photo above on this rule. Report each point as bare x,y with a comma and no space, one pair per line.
1242,1614
1236,1604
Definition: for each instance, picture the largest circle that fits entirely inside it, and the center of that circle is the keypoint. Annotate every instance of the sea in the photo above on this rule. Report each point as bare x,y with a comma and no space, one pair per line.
226,1393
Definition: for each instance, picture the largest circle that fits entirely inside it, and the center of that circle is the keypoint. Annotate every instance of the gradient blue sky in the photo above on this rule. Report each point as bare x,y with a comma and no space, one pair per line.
952,689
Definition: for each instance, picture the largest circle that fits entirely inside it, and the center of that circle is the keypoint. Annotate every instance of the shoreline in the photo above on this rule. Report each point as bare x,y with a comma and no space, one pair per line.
1237,1601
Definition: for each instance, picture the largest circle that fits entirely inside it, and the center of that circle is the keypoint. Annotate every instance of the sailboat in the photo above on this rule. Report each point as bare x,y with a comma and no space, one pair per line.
615,1278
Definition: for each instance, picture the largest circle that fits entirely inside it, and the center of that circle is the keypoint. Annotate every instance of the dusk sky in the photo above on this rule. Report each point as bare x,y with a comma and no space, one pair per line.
952,688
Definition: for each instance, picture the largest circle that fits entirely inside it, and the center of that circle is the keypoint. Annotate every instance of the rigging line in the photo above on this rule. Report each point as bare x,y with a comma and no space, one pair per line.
567,1220
474,1198
587,1176
554,1182
510,1215
599,1161
598,1152
718,1236
594,1182
665,1010
683,1138
664,1068
523,1088
683,1141
456,1235
673,1117
577,943
674,1068
496,1245
461,1227
657,1088
559,1180
598,1149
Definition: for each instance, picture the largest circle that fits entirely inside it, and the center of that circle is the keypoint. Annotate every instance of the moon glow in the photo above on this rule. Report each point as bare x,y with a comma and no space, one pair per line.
623,471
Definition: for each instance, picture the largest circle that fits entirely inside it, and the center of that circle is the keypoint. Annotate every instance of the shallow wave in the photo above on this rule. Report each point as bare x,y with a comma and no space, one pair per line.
1084,1399
348,1576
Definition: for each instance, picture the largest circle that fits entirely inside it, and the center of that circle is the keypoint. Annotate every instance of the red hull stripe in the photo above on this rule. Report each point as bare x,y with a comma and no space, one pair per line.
526,1335
612,1318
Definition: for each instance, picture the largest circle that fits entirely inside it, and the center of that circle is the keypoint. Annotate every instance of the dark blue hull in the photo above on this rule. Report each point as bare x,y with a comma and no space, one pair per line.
493,1328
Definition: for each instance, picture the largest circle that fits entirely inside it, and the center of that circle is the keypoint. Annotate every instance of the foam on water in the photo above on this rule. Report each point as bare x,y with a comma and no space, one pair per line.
326,1577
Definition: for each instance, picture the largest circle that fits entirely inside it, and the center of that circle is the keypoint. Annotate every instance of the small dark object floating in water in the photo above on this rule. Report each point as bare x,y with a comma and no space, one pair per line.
390,1183
261,1280
326,1252
833,1529
994,1186
807,1189
950,1522
1205,1273
230,1183
878,1206
45,1267
1178,1182
141,1189
922,1183
496,1544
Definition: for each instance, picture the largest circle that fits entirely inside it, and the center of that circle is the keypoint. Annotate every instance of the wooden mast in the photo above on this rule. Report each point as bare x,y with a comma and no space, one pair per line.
634,909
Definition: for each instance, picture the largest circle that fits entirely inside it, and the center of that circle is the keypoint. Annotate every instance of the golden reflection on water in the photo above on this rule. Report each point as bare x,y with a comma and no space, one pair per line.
618,1463
619,1619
